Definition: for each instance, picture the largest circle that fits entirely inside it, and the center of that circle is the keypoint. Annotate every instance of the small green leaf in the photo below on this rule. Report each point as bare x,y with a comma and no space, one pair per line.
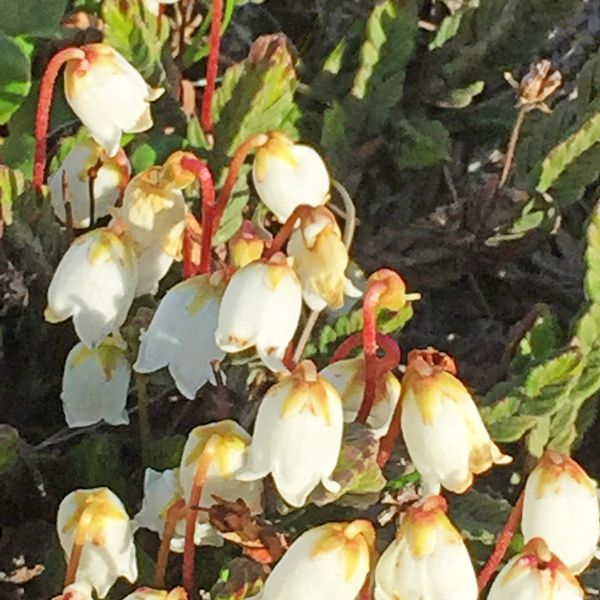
10,442
462,97
15,76
421,143
31,17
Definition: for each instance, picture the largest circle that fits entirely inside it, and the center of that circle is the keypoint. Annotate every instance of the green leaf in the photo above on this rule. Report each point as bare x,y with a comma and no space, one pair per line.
233,215
462,97
15,76
538,437
12,184
511,429
31,17
421,143
10,443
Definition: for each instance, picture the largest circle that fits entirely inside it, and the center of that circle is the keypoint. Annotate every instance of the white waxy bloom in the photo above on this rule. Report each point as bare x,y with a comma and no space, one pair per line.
561,507
261,307
111,177
320,259
443,431
230,445
297,435
286,175
535,573
94,283
428,559
153,6
97,518
108,95
154,212
95,385
330,562
182,334
348,378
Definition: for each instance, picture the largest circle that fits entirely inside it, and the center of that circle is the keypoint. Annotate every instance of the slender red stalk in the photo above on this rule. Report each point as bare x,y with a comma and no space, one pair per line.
388,441
233,172
286,230
174,513
42,115
212,67
204,177
386,342
369,336
502,543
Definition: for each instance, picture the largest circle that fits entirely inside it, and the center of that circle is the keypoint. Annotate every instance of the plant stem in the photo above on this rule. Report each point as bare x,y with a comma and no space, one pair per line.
174,513
502,543
512,146
42,115
192,508
305,335
81,531
286,230
204,177
350,213
212,67
233,172
66,195
143,418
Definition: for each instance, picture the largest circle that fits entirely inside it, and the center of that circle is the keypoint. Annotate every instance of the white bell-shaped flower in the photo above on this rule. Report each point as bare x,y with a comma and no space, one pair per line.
154,212
561,507
182,334
94,283
428,559
153,6
535,573
330,562
108,95
443,431
261,307
297,435
286,175
320,259
95,385
111,177
96,519
348,378
231,444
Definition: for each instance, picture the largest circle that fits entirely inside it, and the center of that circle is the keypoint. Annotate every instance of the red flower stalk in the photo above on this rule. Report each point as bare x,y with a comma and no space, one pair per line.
42,116
212,66
286,230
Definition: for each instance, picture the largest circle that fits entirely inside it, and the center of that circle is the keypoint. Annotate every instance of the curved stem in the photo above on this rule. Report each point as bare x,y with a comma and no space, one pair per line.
305,336
387,442
42,115
212,67
350,343
350,213
204,177
174,513
192,508
512,146
81,531
286,230
502,543
233,172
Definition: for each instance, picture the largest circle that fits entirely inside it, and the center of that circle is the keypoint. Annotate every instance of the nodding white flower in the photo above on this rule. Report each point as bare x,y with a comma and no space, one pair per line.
110,178
443,431
153,6
428,559
286,175
320,259
261,307
230,450
535,573
348,378
330,562
94,283
108,95
98,518
297,435
561,506
182,334
95,385
154,212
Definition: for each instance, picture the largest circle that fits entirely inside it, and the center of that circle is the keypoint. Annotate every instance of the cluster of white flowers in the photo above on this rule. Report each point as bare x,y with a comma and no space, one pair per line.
256,301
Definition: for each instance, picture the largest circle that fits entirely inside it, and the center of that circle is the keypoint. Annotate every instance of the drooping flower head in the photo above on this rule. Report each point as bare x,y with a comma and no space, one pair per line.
246,245
108,95
443,431
330,562
297,435
561,507
428,558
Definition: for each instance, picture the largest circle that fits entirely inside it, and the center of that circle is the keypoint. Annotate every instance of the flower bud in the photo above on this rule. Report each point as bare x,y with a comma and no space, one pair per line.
535,573
108,95
445,436
561,507
320,259
261,307
287,175
245,246
111,176
297,435
108,550
181,335
94,283
95,385
325,563
428,558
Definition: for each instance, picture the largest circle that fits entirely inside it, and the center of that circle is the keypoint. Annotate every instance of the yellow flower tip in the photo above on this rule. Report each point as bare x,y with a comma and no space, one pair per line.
245,246
177,593
552,466
276,145
106,245
174,174
393,295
